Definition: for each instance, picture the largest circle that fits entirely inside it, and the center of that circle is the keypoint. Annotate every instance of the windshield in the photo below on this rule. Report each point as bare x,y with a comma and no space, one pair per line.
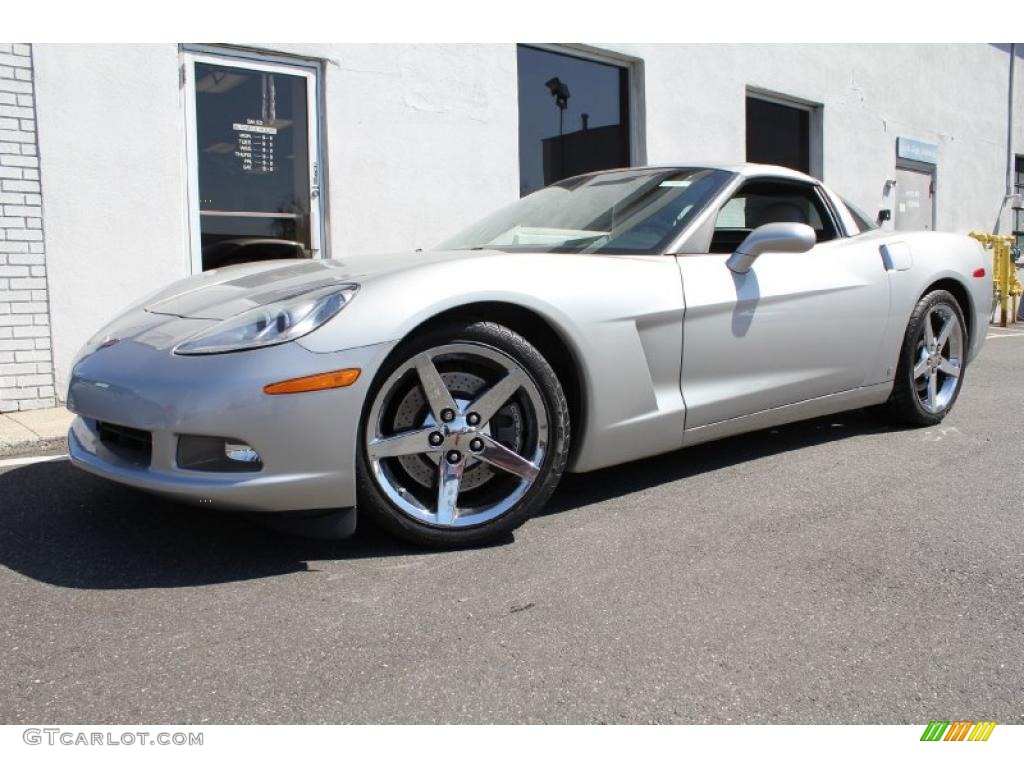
628,211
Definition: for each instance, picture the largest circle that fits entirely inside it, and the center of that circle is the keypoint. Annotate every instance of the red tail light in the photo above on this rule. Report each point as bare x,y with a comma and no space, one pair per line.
979,272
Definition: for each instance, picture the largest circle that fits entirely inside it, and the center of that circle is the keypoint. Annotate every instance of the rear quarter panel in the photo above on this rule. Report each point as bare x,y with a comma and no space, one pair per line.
936,256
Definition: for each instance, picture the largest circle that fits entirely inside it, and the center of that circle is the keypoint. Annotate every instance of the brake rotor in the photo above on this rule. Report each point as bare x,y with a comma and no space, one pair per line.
413,413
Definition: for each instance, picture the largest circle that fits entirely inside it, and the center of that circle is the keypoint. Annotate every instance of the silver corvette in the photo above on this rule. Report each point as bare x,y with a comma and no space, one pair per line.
603,319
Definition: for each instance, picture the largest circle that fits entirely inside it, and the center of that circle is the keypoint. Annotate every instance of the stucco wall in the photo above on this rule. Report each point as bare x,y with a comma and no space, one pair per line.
422,140
950,95
112,145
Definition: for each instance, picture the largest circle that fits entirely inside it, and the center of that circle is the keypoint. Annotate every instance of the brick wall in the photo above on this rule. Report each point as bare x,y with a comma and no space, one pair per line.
26,362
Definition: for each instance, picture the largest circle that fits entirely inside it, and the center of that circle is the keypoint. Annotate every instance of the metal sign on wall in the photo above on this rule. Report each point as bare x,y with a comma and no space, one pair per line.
919,151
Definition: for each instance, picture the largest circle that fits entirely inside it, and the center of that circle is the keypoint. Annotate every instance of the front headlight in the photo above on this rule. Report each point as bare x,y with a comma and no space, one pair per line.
271,324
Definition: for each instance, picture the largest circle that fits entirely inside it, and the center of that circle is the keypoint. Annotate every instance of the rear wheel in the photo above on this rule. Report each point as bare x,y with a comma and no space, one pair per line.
466,435
931,365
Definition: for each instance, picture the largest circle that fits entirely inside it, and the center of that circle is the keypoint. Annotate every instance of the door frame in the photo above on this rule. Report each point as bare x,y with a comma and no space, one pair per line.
192,55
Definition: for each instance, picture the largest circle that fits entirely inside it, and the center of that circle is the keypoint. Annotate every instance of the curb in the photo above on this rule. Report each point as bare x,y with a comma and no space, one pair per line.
34,432
34,447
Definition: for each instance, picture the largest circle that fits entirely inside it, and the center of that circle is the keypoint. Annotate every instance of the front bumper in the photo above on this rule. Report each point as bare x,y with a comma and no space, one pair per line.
307,441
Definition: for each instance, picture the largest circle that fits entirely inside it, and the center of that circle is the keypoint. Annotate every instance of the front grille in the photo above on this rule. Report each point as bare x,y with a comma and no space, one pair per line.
134,445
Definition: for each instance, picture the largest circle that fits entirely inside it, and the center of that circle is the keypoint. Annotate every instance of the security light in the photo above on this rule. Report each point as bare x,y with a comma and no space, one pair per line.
560,91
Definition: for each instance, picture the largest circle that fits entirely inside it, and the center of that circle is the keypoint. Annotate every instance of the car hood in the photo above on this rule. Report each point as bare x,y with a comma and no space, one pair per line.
223,293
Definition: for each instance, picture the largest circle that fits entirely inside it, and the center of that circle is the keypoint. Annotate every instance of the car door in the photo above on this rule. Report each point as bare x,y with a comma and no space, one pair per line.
796,326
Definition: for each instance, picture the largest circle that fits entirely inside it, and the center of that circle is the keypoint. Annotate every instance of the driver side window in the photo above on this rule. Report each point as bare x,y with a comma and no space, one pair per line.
766,202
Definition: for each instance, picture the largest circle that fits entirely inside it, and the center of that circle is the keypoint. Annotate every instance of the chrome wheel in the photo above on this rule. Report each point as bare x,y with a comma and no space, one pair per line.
938,359
457,435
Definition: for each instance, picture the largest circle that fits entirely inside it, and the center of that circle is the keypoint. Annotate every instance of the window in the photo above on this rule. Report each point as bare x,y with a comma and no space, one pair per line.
786,134
767,202
628,211
573,117
253,146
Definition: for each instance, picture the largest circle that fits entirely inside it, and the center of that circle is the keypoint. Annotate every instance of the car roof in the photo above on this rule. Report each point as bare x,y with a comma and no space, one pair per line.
747,170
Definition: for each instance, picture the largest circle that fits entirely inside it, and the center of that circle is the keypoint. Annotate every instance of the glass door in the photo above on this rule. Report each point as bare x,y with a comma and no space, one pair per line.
253,156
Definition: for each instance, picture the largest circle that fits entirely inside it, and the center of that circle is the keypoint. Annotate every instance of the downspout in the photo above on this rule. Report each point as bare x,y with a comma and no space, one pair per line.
1009,124
1010,164
1009,141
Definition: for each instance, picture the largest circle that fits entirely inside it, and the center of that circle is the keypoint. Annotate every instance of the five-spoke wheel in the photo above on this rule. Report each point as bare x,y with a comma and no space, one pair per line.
464,437
939,356
930,370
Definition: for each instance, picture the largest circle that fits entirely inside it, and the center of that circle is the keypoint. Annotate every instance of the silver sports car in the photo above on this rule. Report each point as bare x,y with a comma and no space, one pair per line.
608,317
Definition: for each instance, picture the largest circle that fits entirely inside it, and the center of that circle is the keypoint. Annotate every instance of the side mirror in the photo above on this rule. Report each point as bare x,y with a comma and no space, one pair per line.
780,237
884,215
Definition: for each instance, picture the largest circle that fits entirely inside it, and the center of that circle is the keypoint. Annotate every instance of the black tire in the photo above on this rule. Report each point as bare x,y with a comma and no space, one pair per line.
380,509
905,404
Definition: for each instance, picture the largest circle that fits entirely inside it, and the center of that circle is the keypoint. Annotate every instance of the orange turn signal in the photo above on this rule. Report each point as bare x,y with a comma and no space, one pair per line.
329,380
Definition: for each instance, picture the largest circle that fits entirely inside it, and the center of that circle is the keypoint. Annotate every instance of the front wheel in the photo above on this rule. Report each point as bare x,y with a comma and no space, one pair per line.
931,366
465,436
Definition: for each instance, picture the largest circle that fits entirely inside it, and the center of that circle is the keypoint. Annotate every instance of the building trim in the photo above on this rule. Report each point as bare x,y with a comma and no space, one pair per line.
256,59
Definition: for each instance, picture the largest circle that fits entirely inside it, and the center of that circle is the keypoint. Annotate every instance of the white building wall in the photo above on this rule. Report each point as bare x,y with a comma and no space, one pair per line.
112,145
423,139
951,95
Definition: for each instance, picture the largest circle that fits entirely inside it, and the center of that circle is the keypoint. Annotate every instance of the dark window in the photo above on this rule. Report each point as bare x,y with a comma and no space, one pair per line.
768,202
252,141
573,117
778,135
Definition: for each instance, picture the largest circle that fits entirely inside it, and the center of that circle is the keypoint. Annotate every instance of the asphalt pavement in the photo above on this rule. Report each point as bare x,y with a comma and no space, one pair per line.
832,571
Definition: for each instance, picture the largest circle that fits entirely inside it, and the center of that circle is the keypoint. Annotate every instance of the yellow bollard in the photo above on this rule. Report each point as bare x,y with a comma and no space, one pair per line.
1006,288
